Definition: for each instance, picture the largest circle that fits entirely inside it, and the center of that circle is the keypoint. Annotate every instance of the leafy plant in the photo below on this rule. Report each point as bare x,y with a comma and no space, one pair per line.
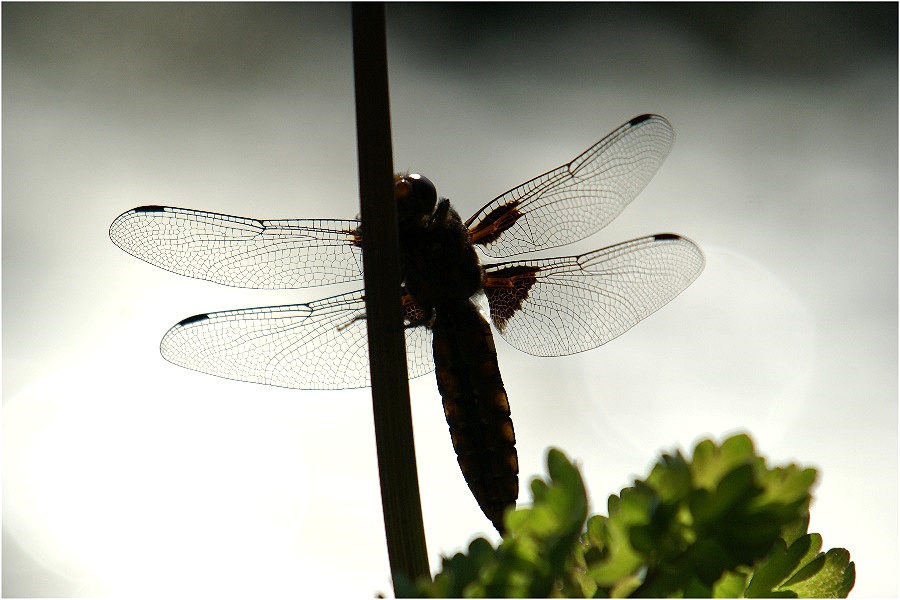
722,524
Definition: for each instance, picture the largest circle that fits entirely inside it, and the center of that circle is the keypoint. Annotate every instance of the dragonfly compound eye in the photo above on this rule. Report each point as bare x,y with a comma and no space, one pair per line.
416,196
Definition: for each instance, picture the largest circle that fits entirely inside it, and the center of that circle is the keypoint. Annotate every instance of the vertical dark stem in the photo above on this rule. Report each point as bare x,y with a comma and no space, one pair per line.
387,349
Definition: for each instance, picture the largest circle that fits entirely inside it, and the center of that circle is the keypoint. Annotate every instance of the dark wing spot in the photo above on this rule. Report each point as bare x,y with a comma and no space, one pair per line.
640,119
506,289
495,223
356,235
666,236
193,319
149,208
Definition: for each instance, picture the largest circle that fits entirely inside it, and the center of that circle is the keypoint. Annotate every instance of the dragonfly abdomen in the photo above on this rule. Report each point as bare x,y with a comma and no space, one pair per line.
476,407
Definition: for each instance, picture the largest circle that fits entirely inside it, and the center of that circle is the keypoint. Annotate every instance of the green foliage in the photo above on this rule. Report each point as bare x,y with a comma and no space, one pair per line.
721,524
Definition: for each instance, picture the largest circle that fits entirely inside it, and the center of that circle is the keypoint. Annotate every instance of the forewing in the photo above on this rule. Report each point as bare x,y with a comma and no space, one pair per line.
578,199
319,345
241,252
561,306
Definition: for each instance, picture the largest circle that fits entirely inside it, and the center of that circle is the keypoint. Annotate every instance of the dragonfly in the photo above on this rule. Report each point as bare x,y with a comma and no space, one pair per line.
541,306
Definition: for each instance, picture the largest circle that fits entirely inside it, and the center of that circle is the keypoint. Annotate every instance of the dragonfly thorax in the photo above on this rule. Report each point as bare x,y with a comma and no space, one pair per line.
439,264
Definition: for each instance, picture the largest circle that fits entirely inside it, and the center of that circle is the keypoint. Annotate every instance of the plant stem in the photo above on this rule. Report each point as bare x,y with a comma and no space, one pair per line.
404,529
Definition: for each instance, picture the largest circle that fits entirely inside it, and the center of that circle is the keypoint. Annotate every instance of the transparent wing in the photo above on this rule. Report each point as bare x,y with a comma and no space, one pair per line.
578,199
319,345
241,252
560,306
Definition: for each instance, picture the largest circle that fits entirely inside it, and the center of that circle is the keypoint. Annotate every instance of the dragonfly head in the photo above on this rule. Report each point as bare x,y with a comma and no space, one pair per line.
416,198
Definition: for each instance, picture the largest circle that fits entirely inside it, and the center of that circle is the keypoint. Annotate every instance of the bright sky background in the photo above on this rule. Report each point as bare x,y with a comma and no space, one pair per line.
126,475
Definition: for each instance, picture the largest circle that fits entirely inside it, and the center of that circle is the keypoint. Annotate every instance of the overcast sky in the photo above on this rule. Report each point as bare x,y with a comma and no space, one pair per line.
123,474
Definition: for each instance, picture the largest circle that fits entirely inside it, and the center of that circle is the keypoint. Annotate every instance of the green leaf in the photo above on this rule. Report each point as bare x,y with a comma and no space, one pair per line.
831,575
710,463
721,523
671,477
781,563
795,530
692,522
730,585
457,572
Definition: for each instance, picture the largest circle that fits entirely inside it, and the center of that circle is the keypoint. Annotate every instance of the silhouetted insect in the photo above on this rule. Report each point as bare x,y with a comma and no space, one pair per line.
544,307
